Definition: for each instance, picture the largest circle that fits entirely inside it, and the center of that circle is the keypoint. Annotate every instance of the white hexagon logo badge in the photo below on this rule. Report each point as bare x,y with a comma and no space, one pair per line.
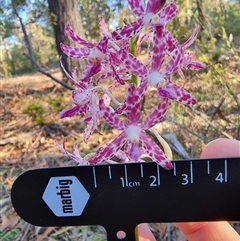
65,196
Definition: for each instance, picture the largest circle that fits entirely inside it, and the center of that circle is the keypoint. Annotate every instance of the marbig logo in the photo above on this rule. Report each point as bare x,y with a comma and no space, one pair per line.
65,196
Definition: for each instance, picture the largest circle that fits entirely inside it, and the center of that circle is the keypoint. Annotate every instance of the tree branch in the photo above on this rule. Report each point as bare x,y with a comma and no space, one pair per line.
31,56
41,70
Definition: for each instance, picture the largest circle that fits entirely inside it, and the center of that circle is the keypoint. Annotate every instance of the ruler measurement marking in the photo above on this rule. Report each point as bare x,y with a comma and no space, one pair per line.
109,172
141,170
94,178
125,173
174,169
208,167
191,171
158,174
225,170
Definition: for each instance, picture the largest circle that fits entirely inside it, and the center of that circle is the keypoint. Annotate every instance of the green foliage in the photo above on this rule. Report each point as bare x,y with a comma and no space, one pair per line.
90,12
57,104
36,112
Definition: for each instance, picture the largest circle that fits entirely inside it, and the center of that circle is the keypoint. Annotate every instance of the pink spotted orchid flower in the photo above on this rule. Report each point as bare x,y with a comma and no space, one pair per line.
133,138
158,78
110,59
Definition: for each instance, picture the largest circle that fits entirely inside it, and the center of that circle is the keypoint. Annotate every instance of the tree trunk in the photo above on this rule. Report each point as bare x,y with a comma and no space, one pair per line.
61,12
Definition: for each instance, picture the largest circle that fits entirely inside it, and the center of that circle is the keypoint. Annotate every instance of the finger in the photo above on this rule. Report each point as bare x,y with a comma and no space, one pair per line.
213,231
208,231
144,233
221,148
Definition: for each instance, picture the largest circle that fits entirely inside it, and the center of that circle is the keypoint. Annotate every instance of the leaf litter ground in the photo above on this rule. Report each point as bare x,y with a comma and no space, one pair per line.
25,145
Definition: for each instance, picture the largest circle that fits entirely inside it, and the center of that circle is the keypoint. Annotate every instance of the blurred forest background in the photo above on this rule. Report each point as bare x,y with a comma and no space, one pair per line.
38,19
33,91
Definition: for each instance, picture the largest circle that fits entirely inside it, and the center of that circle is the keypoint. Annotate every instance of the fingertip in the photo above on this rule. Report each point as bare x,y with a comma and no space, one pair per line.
144,233
199,231
221,148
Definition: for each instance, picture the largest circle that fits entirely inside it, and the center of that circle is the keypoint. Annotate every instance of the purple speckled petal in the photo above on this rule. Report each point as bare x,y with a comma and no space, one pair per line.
74,52
137,6
69,112
154,6
133,105
195,65
104,28
121,109
159,49
142,87
135,152
156,115
103,154
81,97
192,39
72,35
102,45
167,14
174,63
91,69
128,30
172,91
170,41
154,151
111,118
133,64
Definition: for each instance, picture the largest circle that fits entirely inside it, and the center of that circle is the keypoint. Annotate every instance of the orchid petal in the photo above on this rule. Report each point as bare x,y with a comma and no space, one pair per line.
192,39
135,152
156,115
71,34
74,52
133,64
167,14
92,69
102,45
154,151
121,155
172,91
81,97
137,6
107,99
159,49
121,109
174,63
104,28
128,30
142,87
170,41
111,118
154,6
133,105
118,80
195,65
69,112
103,154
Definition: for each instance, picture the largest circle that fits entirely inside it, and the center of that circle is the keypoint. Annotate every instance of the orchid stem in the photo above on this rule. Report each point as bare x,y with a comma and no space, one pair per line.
133,51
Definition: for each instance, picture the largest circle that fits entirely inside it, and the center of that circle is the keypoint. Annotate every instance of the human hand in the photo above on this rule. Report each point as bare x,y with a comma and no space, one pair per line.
205,231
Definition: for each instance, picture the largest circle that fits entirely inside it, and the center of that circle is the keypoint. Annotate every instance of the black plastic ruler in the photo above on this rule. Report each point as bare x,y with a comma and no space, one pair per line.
121,196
